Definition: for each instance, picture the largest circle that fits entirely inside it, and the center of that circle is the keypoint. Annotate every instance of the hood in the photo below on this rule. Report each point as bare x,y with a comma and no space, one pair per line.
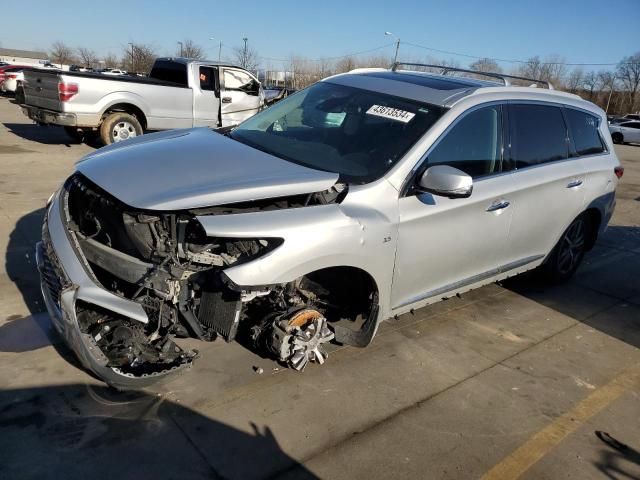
183,169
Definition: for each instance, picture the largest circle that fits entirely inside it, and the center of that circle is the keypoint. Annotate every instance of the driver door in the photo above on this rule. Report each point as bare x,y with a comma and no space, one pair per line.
445,244
240,96
206,101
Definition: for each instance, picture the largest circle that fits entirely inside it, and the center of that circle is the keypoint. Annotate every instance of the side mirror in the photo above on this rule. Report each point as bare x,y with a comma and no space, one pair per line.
445,181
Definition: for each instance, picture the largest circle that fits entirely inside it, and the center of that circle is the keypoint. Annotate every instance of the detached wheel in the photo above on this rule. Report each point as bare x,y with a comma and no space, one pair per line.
119,126
566,256
617,137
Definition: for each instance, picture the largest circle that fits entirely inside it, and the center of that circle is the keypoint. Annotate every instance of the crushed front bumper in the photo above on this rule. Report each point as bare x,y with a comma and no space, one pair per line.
64,280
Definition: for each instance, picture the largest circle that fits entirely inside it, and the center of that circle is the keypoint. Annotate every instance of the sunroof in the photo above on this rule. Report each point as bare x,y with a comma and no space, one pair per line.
422,80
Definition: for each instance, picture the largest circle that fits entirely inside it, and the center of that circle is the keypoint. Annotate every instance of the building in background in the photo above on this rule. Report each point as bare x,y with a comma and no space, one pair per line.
23,57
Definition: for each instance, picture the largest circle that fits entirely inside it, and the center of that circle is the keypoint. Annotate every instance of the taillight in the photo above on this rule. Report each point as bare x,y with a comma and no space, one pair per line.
11,75
619,171
66,91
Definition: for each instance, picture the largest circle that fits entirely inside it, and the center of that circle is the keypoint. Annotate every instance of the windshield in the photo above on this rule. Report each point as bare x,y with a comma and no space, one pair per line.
356,133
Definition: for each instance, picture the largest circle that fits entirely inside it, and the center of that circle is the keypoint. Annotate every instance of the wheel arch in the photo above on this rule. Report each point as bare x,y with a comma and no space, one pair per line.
129,108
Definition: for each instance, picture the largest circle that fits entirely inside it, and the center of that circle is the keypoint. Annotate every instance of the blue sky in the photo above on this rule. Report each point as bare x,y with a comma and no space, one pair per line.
586,31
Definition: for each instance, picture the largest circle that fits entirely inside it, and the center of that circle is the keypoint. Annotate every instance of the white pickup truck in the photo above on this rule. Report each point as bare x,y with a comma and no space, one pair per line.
178,93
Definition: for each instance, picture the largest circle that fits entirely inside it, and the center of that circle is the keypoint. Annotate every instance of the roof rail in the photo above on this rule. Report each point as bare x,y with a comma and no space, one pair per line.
500,76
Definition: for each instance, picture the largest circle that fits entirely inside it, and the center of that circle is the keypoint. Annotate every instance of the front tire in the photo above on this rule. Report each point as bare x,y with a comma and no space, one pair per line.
119,126
566,256
617,137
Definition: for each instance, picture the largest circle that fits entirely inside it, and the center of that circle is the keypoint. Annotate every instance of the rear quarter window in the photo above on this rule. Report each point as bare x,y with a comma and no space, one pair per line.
584,132
168,71
538,134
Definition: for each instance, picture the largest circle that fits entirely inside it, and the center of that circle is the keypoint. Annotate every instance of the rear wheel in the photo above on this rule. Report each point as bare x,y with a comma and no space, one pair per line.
20,95
568,253
617,137
119,126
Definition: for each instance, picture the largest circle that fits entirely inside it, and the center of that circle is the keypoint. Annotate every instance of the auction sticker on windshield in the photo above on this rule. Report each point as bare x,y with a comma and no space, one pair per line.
391,113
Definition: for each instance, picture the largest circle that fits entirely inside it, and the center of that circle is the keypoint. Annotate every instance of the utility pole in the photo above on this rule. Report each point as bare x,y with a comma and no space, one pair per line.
395,58
245,60
613,81
132,64
180,43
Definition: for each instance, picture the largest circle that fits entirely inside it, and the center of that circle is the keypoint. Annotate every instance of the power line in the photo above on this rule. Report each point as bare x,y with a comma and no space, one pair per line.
475,57
320,59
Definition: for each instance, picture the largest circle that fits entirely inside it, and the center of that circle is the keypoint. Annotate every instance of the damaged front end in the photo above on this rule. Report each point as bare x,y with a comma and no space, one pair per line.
166,263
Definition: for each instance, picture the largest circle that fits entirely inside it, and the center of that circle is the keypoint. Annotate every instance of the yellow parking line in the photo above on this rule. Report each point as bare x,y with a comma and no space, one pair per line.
518,462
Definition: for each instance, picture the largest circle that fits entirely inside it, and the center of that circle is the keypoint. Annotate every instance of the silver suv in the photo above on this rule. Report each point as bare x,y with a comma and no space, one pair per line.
362,197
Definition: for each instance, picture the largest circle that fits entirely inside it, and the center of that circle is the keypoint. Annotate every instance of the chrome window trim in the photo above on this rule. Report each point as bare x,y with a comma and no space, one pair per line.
410,177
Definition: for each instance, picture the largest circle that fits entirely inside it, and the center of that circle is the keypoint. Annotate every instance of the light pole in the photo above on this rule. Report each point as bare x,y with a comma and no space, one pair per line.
395,58
180,43
132,65
613,81
219,48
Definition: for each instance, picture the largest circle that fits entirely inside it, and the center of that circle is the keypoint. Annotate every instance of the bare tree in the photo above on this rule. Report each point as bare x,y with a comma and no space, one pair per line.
87,56
61,53
345,64
574,80
590,82
111,61
246,56
378,61
628,71
139,57
486,65
191,50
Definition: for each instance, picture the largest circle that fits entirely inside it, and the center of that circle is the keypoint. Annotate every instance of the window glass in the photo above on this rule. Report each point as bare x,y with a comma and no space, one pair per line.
356,133
584,130
474,144
170,71
538,134
207,79
635,125
236,80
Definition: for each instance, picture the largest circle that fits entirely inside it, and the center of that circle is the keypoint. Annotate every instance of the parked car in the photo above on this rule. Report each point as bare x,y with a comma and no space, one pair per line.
625,118
5,69
178,93
11,79
625,132
114,71
363,197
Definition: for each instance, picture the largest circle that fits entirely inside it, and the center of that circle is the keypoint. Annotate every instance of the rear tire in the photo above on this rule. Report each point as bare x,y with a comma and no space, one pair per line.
119,126
20,96
617,137
566,256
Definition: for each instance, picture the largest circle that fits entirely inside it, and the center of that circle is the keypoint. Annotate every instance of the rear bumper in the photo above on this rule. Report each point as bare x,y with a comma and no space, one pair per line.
50,117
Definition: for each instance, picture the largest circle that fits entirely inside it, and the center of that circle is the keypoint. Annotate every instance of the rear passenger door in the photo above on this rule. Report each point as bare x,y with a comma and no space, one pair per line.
206,97
547,179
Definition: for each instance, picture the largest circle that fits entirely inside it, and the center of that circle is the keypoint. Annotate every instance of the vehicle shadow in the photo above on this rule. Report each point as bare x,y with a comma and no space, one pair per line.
46,135
87,431
604,293
614,462
19,333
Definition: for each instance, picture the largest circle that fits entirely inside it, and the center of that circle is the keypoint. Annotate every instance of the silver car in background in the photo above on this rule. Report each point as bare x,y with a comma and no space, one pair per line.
365,196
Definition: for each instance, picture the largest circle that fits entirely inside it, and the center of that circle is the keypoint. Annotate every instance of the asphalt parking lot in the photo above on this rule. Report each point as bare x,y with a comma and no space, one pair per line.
510,381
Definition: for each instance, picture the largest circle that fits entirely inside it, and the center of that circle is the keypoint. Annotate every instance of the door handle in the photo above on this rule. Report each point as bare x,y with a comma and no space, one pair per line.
226,100
574,183
499,205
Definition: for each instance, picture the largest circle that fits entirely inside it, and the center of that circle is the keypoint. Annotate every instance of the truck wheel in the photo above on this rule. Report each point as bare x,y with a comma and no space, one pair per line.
20,96
119,126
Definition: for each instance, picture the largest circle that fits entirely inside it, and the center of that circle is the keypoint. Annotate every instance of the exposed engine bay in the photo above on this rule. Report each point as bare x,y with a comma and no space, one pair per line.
166,263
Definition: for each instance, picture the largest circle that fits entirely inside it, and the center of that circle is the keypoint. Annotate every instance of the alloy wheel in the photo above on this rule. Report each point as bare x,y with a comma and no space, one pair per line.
572,247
